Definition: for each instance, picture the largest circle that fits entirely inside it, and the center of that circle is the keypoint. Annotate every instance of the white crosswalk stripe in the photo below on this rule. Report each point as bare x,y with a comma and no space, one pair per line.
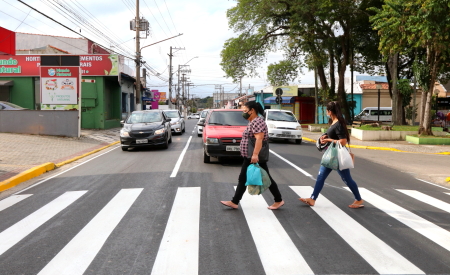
427,199
178,252
269,235
8,202
76,256
425,228
21,229
377,253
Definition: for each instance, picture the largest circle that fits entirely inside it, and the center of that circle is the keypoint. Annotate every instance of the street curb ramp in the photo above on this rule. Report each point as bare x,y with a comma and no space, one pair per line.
43,168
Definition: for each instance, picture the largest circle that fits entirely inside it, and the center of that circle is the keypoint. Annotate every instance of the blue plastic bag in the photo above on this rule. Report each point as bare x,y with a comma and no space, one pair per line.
259,189
254,176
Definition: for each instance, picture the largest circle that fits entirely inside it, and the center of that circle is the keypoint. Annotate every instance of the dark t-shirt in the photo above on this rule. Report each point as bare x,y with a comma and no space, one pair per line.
336,131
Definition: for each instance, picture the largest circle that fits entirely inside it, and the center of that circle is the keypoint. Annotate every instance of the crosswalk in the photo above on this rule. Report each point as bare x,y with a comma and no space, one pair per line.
278,251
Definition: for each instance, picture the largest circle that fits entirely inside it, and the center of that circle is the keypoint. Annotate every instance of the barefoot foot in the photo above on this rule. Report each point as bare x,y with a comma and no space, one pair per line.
276,205
308,201
230,204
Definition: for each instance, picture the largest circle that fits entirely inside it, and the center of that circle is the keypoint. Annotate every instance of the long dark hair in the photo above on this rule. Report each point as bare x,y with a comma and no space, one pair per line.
255,106
335,108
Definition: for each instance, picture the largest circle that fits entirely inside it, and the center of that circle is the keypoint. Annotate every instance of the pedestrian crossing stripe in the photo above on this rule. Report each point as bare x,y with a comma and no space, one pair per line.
10,201
420,225
179,248
21,229
377,253
426,199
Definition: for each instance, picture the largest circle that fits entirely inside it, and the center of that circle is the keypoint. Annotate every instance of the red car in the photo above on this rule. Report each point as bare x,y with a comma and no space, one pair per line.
222,133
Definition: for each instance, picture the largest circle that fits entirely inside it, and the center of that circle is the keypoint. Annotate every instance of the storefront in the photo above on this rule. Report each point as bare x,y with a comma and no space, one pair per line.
100,93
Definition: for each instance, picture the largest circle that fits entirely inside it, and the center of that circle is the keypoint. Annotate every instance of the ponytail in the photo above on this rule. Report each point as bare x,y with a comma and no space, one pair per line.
335,108
255,106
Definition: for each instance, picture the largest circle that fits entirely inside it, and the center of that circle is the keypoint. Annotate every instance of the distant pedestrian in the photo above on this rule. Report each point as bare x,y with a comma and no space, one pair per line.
256,128
336,132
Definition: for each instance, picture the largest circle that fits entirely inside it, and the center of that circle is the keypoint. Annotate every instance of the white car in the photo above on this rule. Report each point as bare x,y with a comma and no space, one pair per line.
203,115
177,121
283,124
193,116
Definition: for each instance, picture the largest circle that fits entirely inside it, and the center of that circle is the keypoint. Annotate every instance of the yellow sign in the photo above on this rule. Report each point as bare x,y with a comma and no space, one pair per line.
162,96
287,90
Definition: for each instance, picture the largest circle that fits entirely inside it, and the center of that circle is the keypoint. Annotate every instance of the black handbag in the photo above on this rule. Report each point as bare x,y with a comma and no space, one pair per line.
263,155
321,146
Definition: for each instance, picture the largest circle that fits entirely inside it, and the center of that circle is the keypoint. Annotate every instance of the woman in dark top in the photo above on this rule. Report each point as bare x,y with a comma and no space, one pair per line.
256,128
336,132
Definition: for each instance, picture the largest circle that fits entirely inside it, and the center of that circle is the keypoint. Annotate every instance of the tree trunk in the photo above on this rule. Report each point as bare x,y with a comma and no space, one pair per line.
433,62
322,77
396,103
332,76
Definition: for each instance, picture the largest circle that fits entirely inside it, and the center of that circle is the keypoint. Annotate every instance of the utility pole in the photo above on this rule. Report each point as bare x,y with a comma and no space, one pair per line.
170,78
138,59
240,86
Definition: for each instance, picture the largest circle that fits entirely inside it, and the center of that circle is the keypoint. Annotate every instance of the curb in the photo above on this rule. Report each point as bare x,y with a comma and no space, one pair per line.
447,179
43,168
382,148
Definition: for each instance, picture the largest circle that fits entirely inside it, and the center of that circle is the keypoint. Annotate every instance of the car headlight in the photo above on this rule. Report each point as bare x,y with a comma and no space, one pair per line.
160,131
175,122
298,127
272,126
212,140
124,133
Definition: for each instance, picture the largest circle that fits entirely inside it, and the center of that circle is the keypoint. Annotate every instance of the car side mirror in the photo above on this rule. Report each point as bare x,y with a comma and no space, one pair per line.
201,122
168,120
122,122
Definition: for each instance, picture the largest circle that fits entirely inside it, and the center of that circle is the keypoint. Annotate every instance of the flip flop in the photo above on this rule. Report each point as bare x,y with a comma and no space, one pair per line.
305,202
356,206
229,204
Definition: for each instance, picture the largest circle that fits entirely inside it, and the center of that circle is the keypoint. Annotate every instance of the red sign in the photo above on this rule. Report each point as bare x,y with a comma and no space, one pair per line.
28,65
7,42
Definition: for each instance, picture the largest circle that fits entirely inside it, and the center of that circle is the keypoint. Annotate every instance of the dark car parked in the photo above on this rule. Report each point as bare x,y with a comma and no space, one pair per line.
9,106
146,128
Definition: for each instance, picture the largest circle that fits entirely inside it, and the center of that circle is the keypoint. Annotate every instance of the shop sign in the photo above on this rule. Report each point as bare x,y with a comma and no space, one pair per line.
287,90
162,96
28,65
59,85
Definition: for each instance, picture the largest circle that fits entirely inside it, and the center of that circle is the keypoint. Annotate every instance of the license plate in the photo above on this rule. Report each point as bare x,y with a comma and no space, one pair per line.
286,132
138,141
233,148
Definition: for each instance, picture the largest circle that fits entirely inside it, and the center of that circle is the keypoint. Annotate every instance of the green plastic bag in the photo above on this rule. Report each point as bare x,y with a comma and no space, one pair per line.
330,157
259,189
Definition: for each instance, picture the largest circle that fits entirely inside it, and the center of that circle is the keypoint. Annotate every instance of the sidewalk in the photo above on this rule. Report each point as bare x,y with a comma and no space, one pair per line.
21,152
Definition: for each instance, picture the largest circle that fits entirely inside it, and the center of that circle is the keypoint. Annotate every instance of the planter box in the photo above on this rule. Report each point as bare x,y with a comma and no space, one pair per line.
312,128
429,141
323,130
380,135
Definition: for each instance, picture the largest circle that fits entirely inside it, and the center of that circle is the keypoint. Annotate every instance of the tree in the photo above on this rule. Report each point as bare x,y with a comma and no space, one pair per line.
412,24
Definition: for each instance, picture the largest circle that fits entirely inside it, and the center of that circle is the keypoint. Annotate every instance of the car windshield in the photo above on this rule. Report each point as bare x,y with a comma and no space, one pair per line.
227,118
147,117
281,116
204,113
12,105
172,114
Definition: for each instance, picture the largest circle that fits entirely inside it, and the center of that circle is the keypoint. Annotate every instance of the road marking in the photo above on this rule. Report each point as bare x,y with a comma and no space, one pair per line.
377,253
44,180
10,201
418,224
180,159
21,229
426,199
78,254
277,252
433,184
179,248
291,164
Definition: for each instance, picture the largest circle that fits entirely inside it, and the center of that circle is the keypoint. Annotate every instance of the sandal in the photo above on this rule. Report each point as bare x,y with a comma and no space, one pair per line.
308,201
357,204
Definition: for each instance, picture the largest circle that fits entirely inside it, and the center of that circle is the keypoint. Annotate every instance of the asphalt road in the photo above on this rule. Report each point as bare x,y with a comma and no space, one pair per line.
138,212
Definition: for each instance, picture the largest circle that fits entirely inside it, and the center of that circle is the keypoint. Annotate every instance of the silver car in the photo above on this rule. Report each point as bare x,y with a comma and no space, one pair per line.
203,115
177,121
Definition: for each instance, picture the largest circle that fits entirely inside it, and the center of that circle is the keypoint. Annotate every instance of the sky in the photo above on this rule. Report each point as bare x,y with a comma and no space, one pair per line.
203,23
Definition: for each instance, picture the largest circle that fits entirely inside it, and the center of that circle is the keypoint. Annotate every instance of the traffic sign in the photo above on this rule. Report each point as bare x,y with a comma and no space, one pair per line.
278,99
279,91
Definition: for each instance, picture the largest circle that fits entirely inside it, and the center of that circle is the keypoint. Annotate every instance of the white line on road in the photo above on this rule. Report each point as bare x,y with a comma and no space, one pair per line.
377,253
433,184
426,199
277,252
291,164
12,200
78,254
44,180
415,222
179,248
180,159
21,229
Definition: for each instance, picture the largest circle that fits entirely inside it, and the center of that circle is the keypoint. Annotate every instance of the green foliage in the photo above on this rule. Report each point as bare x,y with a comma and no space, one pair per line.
279,74
406,90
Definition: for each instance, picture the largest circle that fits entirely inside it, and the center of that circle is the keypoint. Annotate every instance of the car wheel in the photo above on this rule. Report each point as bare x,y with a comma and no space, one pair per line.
206,158
298,141
184,128
124,148
166,144
170,139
